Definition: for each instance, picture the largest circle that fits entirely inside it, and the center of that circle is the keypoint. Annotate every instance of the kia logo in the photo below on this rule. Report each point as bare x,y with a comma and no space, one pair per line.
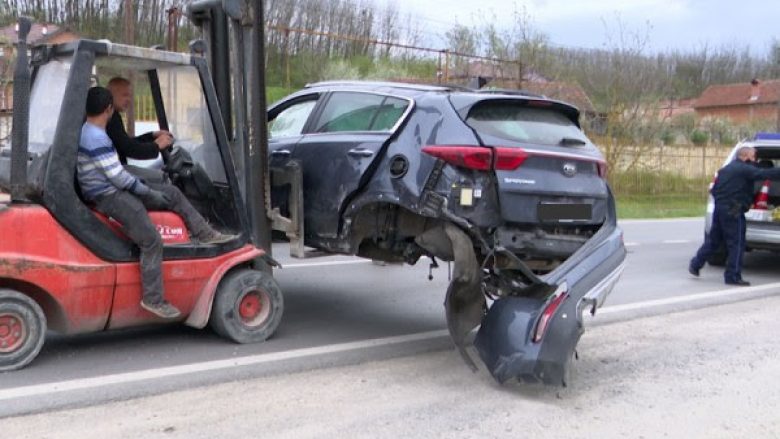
569,169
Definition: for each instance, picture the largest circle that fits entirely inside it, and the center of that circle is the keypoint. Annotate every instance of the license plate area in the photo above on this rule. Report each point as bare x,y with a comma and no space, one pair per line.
564,212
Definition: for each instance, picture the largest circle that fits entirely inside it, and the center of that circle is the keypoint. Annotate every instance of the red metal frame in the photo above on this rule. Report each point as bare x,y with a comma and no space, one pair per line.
81,293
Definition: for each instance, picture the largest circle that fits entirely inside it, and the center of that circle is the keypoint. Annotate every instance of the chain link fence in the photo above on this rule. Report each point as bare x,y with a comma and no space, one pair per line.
665,170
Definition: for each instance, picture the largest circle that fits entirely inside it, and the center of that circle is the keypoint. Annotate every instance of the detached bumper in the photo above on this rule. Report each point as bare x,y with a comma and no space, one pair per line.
505,338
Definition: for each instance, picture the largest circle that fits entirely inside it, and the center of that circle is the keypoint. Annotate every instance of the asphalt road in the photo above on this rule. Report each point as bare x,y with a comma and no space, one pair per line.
703,374
341,310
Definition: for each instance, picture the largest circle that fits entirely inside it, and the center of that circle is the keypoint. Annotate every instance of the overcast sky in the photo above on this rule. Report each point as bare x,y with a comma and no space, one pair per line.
678,24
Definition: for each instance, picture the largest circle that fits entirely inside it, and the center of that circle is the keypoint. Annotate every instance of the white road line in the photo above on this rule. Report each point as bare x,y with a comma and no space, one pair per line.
660,220
737,291
631,244
208,366
142,375
676,241
325,264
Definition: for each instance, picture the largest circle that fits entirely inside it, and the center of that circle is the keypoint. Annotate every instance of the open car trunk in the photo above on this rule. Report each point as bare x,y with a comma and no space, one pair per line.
763,224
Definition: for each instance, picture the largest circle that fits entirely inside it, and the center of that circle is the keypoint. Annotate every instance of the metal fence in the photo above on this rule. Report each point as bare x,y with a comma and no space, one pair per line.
666,170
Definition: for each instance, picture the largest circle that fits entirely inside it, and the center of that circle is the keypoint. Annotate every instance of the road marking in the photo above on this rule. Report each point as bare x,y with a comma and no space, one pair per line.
676,241
737,291
208,366
325,264
661,220
631,244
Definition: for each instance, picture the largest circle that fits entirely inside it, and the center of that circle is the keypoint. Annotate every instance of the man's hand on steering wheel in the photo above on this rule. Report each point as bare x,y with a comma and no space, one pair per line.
164,140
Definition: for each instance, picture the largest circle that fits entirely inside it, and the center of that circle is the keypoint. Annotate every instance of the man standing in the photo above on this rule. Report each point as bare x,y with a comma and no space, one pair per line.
125,198
143,147
733,193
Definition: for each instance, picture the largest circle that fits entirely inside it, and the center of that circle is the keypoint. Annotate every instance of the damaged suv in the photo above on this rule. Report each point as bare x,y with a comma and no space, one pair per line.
504,185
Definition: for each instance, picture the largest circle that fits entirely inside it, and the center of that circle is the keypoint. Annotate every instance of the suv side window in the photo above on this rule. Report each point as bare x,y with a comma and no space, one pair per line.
290,121
353,111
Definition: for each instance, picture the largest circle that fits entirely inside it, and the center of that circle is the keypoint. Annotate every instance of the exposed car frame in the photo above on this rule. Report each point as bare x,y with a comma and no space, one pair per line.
392,201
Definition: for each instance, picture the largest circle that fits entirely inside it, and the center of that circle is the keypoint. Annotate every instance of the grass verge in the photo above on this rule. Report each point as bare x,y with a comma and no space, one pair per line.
660,206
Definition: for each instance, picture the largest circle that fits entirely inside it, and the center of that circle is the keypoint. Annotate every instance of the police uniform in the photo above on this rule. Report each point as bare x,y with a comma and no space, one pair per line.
733,193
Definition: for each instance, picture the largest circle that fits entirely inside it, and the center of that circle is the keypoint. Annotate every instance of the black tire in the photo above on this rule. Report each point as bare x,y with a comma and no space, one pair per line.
22,330
248,306
718,259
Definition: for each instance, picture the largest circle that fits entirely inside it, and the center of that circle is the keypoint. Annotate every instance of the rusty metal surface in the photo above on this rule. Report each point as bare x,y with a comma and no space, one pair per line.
39,258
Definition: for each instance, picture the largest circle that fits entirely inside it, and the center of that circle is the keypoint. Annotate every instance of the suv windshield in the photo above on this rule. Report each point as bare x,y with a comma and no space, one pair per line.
521,123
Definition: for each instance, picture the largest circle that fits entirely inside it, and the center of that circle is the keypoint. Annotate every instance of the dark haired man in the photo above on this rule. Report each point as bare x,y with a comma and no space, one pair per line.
124,197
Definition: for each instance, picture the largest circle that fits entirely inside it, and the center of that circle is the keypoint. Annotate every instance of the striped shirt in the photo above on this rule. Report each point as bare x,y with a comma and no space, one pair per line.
99,170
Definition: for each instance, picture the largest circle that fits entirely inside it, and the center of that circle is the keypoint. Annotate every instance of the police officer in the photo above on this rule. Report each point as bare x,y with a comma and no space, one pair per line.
733,193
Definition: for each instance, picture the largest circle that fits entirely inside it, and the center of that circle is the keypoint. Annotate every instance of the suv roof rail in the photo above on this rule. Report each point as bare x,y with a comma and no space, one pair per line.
421,87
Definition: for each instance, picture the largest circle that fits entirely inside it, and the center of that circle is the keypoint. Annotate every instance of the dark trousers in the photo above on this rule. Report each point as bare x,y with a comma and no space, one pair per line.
727,228
131,212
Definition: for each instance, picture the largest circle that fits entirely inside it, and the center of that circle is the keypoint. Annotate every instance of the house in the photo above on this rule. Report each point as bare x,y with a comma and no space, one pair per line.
672,108
40,33
741,103
569,92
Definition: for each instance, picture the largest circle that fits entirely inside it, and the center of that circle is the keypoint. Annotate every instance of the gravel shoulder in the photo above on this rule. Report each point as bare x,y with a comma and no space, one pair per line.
708,373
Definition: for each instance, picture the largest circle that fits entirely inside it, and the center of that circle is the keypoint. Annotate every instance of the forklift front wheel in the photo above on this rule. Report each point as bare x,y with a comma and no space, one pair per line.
248,306
22,330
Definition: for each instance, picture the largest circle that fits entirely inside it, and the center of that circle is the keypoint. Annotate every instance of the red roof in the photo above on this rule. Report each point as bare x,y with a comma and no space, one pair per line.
768,92
563,91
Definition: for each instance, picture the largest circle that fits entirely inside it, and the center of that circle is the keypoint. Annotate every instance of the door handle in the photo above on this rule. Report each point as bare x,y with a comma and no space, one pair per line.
360,152
281,152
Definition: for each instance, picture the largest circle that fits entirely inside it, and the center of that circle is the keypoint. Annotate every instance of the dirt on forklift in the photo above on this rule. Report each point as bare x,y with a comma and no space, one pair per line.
63,266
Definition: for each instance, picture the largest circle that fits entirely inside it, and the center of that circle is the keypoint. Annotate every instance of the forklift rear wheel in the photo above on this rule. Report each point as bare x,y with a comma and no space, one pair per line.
22,330
248,306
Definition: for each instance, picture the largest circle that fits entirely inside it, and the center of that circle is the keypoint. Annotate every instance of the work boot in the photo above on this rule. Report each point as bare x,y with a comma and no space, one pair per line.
215,237
161,309
738,282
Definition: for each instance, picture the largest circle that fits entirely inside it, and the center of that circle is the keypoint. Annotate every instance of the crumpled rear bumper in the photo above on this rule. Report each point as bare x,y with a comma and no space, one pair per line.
505,338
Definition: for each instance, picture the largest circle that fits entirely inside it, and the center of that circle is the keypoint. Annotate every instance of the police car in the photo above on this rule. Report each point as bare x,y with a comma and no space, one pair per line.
763,218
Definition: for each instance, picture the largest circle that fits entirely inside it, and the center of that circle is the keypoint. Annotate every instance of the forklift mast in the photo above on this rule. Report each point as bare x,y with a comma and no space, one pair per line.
235,51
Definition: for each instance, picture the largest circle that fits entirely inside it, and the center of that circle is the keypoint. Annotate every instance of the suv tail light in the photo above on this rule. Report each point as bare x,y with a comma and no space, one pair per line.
483,158
549,310
471,157
509,159
602,167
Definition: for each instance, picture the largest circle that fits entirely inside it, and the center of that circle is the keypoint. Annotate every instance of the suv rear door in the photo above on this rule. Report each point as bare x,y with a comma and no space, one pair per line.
547,170
340,144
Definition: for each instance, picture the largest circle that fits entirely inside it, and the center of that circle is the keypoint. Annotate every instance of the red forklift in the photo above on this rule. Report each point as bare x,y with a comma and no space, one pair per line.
65,267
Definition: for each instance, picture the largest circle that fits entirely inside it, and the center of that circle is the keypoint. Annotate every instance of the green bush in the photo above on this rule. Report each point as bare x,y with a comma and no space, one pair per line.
699,138
667,137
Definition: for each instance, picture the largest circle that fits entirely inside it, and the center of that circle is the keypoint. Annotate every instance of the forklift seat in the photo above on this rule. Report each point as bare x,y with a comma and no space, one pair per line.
169,225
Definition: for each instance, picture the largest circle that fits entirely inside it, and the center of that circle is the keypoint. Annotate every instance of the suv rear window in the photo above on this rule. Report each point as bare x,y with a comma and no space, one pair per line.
521,123
351,111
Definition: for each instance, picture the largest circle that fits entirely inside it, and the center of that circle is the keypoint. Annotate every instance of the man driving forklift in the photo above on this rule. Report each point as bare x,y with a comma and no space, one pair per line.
143,147
125,197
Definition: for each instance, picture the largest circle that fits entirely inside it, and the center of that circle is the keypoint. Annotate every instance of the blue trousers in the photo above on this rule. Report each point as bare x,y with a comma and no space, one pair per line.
727,228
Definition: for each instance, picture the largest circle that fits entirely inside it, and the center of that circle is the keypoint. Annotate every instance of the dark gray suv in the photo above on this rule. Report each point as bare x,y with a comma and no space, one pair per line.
504,184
